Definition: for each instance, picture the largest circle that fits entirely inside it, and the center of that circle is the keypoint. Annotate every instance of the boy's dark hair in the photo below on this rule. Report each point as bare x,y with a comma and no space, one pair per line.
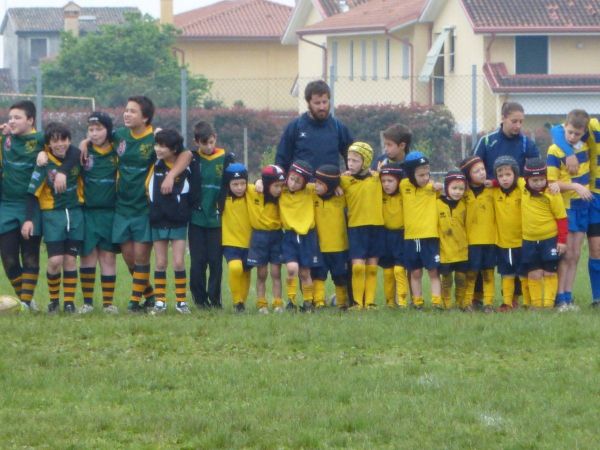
56,130
203,132
398,134
146,106
27,106
510,107
171,139
317,87
578,118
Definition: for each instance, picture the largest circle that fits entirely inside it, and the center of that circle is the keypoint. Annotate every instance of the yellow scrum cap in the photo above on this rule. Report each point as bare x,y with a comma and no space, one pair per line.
365,151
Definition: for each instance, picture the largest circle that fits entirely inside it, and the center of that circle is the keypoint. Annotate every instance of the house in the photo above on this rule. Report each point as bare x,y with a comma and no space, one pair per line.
236,45
469,55
33,34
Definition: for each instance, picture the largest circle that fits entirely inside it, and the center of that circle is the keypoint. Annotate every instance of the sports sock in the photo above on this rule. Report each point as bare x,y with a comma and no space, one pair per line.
550,284
341,296
277,302
535,291
16,280
180,285
460,281
87,278
370,284
69,285
488,287
389,286
594,273
525,289
319,292
358,283
447,290
292,288
418,301
436,300
108,288
471,277
508,290
568,296
53,286
141,277
307,293
401,284
160,285
28,283
246,277
236,281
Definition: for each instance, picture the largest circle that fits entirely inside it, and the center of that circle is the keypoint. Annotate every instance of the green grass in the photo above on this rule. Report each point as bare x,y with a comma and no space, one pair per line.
373,379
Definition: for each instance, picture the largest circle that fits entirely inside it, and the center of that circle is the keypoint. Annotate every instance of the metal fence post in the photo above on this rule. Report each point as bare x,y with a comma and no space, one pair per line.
473,106
38,98
246,147
184,115
332,89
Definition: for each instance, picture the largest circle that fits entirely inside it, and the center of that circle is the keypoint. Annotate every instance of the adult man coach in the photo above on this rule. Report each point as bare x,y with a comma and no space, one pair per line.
316,136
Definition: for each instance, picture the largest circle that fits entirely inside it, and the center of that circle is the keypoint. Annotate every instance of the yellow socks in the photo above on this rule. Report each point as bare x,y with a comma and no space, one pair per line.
401,285
292,288
436,301
160,285
471,277
525,289
488,287
370,284
108,288
418,301
358,283
389,287
508,290
307,293
460,284
535,290
447,290
319,292
341,296
550,289
236,280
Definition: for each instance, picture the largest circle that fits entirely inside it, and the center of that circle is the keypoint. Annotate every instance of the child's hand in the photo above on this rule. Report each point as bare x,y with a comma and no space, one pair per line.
554,188
259,186
167,185
561,248
27,229
488,183
83,151
338,191
437,186
60,183
583,192
4,129
346,173
42,159
572,164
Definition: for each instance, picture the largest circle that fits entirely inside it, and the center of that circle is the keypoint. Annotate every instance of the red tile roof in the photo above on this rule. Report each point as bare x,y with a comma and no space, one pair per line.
332,7
247,19
501,81
549,16
375,15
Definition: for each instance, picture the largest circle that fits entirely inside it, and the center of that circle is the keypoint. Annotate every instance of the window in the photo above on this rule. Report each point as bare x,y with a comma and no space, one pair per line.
451,52
531,54
387,59
351,60
363,60
38,50
405,60
334,59
374,59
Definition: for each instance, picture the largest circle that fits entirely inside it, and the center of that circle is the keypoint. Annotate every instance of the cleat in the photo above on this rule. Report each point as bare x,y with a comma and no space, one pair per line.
239,308
263,310
372,307
53,307
30,307
505,308
182,308
158,308
86,309
307,307
488,309
149,303
110,309
135,307
278,309
69,308
290,306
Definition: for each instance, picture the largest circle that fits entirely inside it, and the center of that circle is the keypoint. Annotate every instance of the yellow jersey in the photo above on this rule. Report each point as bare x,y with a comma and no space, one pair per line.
364,199
236,229
263,216
330,218
557,169
539,214
393,216
453,232
507,209
419,205
296,209
481,220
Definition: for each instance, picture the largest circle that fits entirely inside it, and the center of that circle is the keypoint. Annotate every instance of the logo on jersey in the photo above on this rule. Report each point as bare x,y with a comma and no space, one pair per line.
7,143
31,146
121,148
302,134
51,177
145,149
89,163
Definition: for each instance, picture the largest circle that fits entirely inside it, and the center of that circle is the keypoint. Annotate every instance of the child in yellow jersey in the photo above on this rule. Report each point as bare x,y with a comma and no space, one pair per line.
577,198
509,239
454,253
421,236
365,223
330,218
236,232
395,283
299,248
265,244
544,234
481,231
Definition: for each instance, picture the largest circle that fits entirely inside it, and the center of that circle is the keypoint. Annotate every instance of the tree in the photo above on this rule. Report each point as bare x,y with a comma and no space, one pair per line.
133,58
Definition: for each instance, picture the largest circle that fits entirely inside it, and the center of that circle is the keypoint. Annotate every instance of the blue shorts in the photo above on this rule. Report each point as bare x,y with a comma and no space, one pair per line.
393,251
303,249
419,253
366,242
233,253
335,263
579,216
540,255
265,247
448,268
482,257
509,261
594,216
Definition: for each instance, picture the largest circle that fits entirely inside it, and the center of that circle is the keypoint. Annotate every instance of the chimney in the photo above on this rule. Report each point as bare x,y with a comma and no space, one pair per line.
71,13
166,12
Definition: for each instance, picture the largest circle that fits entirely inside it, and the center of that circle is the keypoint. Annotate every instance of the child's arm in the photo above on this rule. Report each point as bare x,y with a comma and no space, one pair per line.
71,160
562,226
558,137
182,162
580,189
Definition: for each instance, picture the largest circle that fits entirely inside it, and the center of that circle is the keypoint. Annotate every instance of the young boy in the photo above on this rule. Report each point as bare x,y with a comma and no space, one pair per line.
509,236
236,232
395,282
396,142
481,231
204,232
577,199
299,248
62,217
421,236
454,252
169,217
99,184
265,244
19,147
365,223
330,218
544,234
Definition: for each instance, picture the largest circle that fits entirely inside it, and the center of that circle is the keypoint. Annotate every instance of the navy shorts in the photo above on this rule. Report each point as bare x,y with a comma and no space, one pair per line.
335,263
482,257
303,249
421,253
393,251
509,261
265,247
366,242
594,217
578,216
233,253
448,268
540,255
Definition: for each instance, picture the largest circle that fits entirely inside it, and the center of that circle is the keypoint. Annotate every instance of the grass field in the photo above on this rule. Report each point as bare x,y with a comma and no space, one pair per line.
372,379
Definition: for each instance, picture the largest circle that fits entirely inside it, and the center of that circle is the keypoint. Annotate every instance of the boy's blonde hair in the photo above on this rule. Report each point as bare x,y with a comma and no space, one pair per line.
578,118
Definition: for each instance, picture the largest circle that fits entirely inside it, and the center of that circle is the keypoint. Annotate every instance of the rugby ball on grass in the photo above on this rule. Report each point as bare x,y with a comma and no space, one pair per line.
9,304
